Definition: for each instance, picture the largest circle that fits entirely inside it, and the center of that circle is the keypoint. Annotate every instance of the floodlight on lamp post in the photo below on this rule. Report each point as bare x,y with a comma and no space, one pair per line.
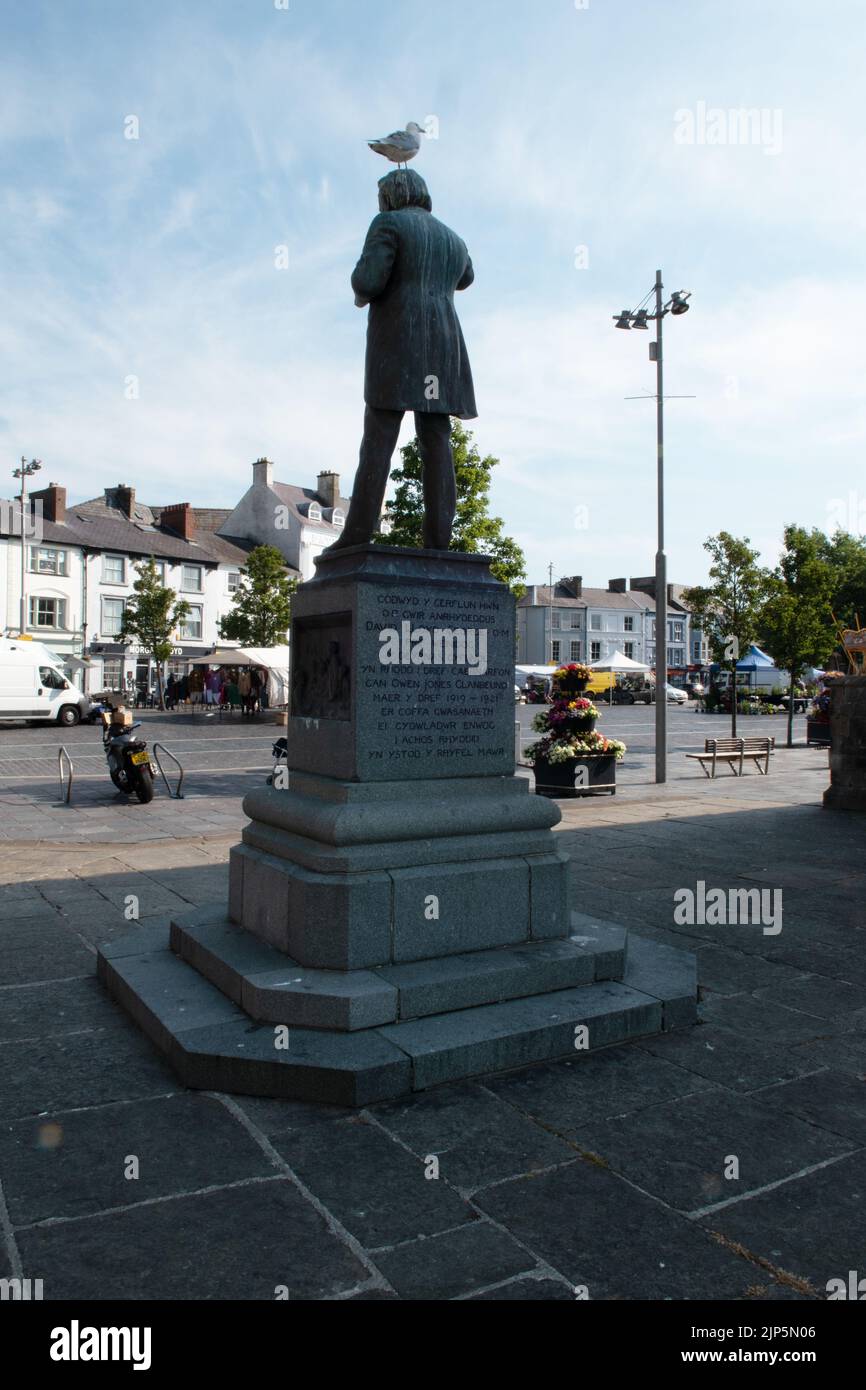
24,472
639,318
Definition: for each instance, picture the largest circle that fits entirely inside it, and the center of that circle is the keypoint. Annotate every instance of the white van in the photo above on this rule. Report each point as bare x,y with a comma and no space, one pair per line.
33,686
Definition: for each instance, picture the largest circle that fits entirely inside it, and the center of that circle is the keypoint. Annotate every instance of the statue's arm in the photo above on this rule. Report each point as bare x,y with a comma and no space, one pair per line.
467,277
371,274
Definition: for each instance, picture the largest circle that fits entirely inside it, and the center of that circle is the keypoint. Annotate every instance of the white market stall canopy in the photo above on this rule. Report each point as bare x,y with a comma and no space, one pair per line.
535,670
618,662
275,660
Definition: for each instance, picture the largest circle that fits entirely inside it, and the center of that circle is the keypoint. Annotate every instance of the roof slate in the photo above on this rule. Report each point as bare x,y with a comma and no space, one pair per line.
98,527
592,598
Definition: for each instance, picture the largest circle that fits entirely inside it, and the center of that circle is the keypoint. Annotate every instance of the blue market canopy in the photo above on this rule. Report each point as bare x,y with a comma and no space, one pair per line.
755,660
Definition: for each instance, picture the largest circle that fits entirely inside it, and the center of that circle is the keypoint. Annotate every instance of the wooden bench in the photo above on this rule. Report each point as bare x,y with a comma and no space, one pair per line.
735,752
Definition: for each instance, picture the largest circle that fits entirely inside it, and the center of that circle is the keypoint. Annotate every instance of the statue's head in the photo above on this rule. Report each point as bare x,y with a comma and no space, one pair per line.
403,188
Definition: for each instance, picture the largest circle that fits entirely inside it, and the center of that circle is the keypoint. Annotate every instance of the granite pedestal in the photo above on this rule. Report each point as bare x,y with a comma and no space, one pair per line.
847,789
398,911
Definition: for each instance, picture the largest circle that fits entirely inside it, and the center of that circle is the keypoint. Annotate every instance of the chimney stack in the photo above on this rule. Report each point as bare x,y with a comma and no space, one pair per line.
328,488
263,473
179,517
121,497
574,584
644,585
616,586
53,499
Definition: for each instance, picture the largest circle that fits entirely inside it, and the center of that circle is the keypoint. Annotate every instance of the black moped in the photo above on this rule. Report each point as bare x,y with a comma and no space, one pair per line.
129,765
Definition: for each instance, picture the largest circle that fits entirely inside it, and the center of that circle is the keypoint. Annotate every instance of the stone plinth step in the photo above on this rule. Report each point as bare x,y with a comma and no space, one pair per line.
212,1044
499,1037
271,987
445,984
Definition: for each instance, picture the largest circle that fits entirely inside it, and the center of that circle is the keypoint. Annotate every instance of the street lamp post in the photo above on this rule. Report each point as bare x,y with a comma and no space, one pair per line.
24,472
639,318
661,558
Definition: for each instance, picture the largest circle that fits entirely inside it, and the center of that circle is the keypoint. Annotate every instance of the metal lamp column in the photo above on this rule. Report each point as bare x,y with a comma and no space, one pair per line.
661,561
639,318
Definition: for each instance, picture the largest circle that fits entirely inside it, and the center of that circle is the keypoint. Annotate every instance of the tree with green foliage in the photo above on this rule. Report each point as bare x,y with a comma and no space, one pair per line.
728,609
846,555
475,532
262,607
152,615
795,623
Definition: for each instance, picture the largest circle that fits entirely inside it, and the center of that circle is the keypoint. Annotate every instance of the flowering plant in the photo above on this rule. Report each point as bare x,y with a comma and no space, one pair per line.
562,750
572,677
566,716
569,733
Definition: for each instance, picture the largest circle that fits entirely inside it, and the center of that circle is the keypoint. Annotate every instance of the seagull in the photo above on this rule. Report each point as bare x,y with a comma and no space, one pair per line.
401,145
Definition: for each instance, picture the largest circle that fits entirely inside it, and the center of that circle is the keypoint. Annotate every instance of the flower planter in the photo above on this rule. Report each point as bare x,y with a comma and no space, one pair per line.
576,777
817,733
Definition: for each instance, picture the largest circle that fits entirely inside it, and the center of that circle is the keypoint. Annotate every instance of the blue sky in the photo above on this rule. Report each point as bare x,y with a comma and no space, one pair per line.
559,128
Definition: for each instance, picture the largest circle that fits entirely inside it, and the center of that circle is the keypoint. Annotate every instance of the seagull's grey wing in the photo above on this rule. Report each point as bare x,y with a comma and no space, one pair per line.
403,140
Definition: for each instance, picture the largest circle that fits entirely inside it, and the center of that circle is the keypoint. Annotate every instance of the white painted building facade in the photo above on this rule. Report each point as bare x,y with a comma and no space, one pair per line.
82,562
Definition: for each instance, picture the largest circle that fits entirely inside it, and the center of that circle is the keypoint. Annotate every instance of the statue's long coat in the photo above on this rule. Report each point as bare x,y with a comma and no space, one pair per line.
416,357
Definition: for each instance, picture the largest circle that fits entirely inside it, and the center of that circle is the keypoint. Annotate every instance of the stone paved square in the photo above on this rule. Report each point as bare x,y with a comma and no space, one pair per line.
606,1172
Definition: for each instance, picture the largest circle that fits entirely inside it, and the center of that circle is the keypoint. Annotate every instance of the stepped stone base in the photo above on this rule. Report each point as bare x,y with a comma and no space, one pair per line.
218,1004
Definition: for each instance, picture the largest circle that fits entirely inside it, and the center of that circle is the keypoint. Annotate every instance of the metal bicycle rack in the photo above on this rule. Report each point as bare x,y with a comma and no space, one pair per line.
155,748
66,794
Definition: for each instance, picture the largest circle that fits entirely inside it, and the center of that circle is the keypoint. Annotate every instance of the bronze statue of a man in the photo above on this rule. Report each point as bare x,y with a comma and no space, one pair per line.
410,267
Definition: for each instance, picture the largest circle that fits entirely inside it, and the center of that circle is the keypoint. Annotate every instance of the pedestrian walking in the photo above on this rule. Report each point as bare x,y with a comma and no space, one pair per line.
244,690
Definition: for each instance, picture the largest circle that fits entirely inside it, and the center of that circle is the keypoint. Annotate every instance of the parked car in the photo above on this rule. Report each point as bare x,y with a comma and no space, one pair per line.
647,694
33,686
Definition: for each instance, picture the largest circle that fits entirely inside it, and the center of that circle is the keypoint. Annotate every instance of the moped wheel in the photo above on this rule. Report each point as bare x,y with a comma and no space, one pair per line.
144,785
120,780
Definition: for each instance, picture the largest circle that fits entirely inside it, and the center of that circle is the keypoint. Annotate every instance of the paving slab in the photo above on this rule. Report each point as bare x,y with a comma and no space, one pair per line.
79,1069
477,1137
271,1117
811,1227
70,1163
682,1151
598,1232
454,1264
374,1187
836,962
36,950
564,1096
817,995
834,1101
728,1058
527,1290
844,1052
725,971
755,1018
55,1007
236,1244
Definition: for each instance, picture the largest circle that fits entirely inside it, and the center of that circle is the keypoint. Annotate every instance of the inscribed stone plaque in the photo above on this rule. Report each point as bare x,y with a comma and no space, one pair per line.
435,675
